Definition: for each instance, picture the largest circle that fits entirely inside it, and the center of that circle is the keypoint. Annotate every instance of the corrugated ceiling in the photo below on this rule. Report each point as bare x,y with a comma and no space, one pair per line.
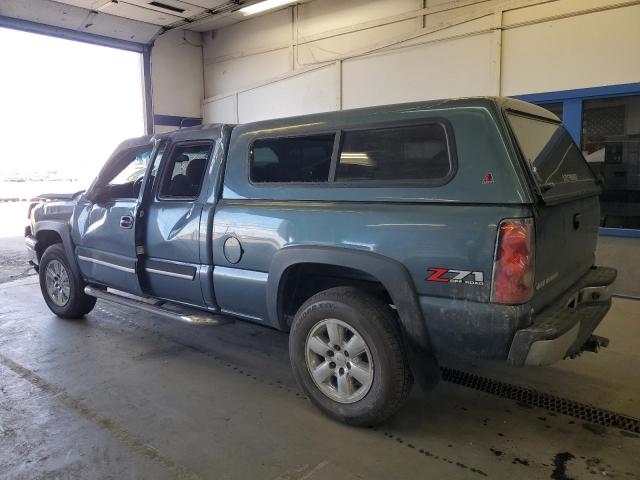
134,20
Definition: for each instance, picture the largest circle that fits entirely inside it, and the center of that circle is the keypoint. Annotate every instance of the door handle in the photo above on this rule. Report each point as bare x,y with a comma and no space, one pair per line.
126,221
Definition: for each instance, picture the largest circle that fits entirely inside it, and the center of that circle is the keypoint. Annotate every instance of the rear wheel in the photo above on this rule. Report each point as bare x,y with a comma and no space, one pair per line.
62,291
347,355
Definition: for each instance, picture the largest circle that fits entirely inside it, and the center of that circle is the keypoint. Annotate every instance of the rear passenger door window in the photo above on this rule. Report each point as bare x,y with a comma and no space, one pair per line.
304,159
417,154
185,170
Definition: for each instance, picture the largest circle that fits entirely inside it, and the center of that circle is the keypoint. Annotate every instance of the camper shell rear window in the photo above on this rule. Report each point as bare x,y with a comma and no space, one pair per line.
556,163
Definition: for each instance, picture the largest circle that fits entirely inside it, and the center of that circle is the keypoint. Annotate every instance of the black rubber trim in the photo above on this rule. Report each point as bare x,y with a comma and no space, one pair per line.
62,229
171,267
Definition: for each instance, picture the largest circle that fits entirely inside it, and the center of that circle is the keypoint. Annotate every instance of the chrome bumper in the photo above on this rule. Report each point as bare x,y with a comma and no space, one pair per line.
564,327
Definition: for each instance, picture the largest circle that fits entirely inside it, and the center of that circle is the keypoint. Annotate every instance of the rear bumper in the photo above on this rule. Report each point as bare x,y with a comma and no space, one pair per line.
563,328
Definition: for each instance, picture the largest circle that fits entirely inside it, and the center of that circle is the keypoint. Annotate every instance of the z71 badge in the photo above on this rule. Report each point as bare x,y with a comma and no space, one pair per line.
449,275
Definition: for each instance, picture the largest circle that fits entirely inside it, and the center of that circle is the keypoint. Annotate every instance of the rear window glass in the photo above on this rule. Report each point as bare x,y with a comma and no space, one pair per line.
549,149
292,159
412,153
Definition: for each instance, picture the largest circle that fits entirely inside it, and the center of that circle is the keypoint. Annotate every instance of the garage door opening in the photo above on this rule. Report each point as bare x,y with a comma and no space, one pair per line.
65,107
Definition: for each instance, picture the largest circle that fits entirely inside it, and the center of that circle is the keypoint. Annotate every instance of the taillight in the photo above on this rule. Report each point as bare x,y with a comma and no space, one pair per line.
513,266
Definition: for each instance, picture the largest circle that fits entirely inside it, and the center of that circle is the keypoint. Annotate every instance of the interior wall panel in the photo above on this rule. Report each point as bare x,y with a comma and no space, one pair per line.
465,55
342,45
258,33
177,80
448,11
164,129
241,73
310,92
220,110
453,68
325,15
551,9
467,28
576,52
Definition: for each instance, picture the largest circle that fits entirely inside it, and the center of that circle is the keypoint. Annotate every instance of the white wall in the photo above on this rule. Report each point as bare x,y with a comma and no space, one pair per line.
422,71
595,49
332,54
177,79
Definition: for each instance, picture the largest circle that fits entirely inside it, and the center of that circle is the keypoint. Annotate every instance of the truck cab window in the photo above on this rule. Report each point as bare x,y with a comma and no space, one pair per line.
185,170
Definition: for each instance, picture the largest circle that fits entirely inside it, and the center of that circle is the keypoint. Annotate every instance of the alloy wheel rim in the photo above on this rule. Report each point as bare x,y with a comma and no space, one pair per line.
57,283
339,361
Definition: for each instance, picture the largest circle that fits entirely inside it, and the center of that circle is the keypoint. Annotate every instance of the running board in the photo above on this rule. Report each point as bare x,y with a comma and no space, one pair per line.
199,318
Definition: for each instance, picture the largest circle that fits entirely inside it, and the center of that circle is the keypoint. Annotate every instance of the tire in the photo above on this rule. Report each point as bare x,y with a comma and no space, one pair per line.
63,293
340,389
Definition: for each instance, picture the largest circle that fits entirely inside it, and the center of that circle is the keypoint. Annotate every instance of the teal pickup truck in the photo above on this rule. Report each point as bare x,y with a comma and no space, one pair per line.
382,239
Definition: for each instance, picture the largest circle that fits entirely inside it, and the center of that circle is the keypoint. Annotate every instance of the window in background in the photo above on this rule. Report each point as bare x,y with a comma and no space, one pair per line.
556,108
611,145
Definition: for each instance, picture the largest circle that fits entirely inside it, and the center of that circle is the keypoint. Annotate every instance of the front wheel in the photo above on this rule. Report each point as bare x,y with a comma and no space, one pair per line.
61,290
347,355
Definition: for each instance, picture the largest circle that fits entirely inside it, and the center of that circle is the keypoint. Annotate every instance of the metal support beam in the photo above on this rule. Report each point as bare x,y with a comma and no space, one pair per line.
572,119
147,89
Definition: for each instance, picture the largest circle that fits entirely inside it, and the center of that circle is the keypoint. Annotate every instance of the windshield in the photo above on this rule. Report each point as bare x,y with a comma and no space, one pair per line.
551,153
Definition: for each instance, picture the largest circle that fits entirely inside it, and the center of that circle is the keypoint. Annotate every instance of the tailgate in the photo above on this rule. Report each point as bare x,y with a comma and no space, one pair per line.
567,215
566,236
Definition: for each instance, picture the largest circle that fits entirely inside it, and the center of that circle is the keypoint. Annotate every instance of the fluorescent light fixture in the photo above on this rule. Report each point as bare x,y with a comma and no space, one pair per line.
356,159
108,3
264,6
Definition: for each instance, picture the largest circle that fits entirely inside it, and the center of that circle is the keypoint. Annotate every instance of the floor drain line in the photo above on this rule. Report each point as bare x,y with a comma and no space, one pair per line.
538,399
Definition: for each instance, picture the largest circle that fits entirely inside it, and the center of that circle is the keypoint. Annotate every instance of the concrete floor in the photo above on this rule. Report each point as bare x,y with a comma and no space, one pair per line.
122,394
13,259
13,255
